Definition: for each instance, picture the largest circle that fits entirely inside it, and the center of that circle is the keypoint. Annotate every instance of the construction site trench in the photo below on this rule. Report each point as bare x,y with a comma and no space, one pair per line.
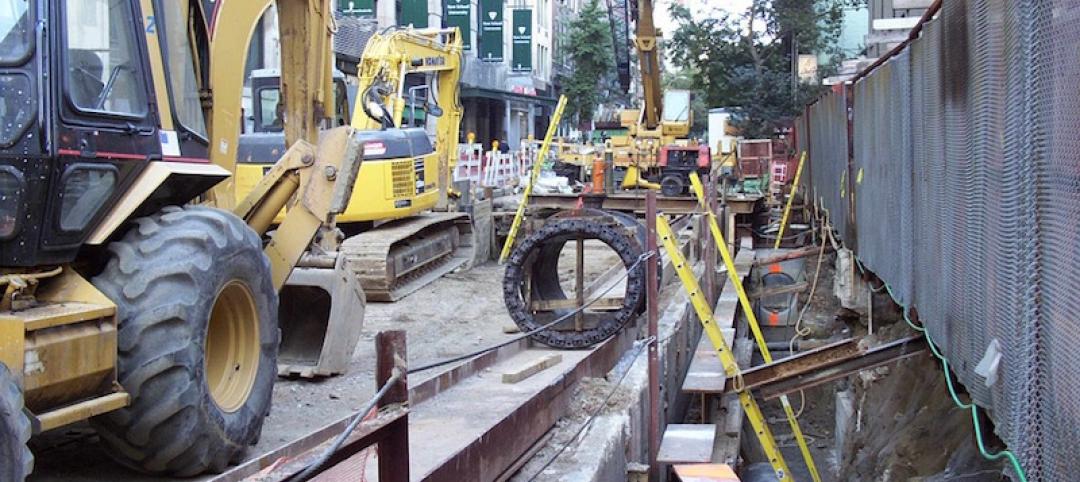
891,422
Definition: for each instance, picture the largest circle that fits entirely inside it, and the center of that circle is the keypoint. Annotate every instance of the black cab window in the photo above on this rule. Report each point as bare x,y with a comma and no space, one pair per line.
103,69
16,31
183,83
271,109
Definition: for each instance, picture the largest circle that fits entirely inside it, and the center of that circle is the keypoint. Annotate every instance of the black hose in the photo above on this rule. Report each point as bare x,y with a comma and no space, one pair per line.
359,417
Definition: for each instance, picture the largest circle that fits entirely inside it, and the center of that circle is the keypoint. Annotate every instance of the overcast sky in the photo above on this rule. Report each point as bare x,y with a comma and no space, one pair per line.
706,7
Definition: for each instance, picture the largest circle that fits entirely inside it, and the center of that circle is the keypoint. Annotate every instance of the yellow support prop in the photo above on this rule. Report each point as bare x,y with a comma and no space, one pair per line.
714,227
790,199
532,179
727,359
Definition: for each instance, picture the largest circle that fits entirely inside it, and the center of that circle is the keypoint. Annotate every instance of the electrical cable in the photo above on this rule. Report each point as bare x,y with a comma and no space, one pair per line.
799,331
644,256
592,416
1007,454
330,451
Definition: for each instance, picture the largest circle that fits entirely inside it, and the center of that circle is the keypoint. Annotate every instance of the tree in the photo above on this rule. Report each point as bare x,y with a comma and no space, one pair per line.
589,48
746,61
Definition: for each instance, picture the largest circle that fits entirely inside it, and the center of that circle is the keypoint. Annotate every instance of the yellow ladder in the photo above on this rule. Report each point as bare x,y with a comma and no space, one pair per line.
790,199
714,227
532,179
727,359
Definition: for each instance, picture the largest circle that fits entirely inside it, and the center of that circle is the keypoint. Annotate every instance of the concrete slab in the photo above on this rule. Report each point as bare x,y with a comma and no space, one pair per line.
687,443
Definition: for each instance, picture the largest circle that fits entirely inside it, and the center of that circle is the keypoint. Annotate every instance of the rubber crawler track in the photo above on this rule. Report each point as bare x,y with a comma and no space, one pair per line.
540,251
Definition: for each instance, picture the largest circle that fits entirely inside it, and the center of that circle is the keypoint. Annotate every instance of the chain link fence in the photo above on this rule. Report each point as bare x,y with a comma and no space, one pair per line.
965,154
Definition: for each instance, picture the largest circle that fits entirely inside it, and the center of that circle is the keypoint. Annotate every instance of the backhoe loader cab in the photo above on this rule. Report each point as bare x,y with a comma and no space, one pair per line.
120,302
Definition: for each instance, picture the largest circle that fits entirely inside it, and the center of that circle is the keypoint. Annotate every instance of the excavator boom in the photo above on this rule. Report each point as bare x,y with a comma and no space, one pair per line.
649,63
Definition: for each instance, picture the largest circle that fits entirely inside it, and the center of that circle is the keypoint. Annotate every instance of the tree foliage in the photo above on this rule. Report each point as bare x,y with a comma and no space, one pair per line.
591,62
745,60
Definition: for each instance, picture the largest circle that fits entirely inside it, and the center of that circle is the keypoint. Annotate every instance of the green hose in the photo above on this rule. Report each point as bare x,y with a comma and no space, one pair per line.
952,390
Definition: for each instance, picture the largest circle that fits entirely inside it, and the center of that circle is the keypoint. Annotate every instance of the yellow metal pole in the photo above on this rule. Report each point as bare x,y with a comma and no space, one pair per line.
718,237
532,179
791,198
723,351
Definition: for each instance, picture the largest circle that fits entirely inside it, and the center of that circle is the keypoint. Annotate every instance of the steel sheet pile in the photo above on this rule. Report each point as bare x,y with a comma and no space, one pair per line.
962,192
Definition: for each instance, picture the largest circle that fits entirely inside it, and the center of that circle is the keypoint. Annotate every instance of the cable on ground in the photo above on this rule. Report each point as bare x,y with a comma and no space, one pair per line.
311,470
596,412
641,259
1006,454
799,330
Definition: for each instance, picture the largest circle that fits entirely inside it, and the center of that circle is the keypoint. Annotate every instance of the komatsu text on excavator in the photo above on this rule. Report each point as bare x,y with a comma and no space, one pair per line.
135,290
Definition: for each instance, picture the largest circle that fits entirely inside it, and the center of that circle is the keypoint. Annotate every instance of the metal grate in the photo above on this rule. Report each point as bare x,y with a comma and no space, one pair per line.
968,204
401,173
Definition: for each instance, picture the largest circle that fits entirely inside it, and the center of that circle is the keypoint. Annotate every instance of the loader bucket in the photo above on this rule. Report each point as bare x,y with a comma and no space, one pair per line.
321,313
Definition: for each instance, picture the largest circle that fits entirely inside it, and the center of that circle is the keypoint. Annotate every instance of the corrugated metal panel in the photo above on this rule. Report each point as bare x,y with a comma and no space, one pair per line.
829,154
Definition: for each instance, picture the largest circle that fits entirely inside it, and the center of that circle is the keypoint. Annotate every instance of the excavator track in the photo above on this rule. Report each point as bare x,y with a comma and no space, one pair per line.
402,256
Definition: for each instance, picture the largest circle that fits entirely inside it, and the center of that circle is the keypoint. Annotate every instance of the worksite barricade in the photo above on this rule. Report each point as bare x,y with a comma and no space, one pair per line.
959,186
492,168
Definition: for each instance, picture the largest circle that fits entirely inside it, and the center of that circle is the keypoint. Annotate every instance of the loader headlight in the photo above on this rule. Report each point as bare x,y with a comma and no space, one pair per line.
86,187
12,188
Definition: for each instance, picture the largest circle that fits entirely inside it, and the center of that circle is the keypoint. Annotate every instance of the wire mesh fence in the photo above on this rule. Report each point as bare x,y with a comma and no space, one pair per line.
965,159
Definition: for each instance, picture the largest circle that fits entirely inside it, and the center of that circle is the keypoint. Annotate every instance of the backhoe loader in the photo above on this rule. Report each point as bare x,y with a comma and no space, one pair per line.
136,291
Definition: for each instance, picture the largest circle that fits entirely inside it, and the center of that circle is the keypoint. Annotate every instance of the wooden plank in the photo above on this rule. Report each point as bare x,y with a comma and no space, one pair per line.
530,368
705,473
779,290
602,304
687,443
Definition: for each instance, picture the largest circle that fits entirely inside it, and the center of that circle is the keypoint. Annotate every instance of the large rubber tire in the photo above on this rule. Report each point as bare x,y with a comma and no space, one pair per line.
673,185
16,461
165,276
541,250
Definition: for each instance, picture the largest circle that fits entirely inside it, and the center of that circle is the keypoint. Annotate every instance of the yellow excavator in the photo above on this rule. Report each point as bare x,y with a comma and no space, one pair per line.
137,293
388,237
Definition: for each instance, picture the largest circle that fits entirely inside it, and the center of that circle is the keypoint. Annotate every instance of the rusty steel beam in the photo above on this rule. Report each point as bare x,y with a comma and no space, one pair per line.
390,360
823,364
632,202
387,429
872,358
652,305
489,455
793,254
292,458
